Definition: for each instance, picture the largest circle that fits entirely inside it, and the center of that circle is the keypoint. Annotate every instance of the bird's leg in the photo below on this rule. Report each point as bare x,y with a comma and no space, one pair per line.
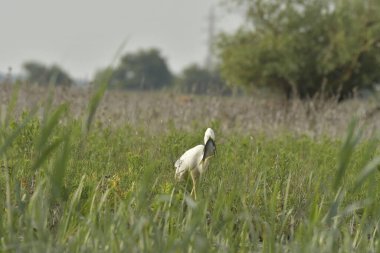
194,186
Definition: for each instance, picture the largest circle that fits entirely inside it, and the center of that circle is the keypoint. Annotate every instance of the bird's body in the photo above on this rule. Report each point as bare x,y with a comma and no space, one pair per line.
191,161
196,160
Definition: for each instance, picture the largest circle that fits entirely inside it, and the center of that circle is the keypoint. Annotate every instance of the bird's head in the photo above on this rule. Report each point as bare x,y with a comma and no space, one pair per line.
209,134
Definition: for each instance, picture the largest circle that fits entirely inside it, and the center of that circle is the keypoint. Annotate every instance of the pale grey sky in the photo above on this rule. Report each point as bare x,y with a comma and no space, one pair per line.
83,35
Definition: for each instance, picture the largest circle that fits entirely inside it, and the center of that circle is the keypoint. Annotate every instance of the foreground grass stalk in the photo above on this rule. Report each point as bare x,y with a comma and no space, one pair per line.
8,200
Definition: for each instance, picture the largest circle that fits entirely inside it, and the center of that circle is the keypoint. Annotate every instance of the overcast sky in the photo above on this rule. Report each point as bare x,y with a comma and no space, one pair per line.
84,35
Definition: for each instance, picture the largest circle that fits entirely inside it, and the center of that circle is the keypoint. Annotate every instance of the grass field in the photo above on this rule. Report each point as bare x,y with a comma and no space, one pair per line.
73,180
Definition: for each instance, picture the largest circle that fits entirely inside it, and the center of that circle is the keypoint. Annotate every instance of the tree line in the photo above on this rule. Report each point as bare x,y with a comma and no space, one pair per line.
301,48
145,69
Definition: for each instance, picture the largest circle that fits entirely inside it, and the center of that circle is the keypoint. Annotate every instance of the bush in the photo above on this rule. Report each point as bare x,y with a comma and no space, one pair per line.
305,47
198,80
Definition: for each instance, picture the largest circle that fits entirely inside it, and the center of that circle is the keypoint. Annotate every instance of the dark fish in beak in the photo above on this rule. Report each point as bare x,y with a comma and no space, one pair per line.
209,150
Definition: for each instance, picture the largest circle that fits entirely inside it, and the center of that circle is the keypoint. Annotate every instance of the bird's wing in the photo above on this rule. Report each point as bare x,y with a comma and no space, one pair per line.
181,167
188,161
209,150
178,164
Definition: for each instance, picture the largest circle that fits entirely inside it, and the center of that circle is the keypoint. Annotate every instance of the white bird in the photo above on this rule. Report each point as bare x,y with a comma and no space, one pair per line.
196,160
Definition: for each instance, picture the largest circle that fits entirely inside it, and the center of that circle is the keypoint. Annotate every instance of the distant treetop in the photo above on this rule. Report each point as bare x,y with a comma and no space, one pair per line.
145,69
44,75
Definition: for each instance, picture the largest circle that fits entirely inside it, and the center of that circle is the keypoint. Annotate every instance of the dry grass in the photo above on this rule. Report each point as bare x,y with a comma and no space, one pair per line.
232,114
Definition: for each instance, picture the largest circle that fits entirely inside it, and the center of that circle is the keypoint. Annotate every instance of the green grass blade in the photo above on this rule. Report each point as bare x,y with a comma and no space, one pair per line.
368,170
93,105
46,152
9,140
60,165
345,154
102,87
72,205
48,128
12,105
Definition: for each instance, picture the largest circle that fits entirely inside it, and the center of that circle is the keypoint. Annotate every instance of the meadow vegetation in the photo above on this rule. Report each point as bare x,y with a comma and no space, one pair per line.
85,173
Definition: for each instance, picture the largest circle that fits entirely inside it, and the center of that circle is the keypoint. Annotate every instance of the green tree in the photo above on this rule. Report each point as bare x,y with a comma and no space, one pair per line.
195,79
44,75
305,46
145,69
